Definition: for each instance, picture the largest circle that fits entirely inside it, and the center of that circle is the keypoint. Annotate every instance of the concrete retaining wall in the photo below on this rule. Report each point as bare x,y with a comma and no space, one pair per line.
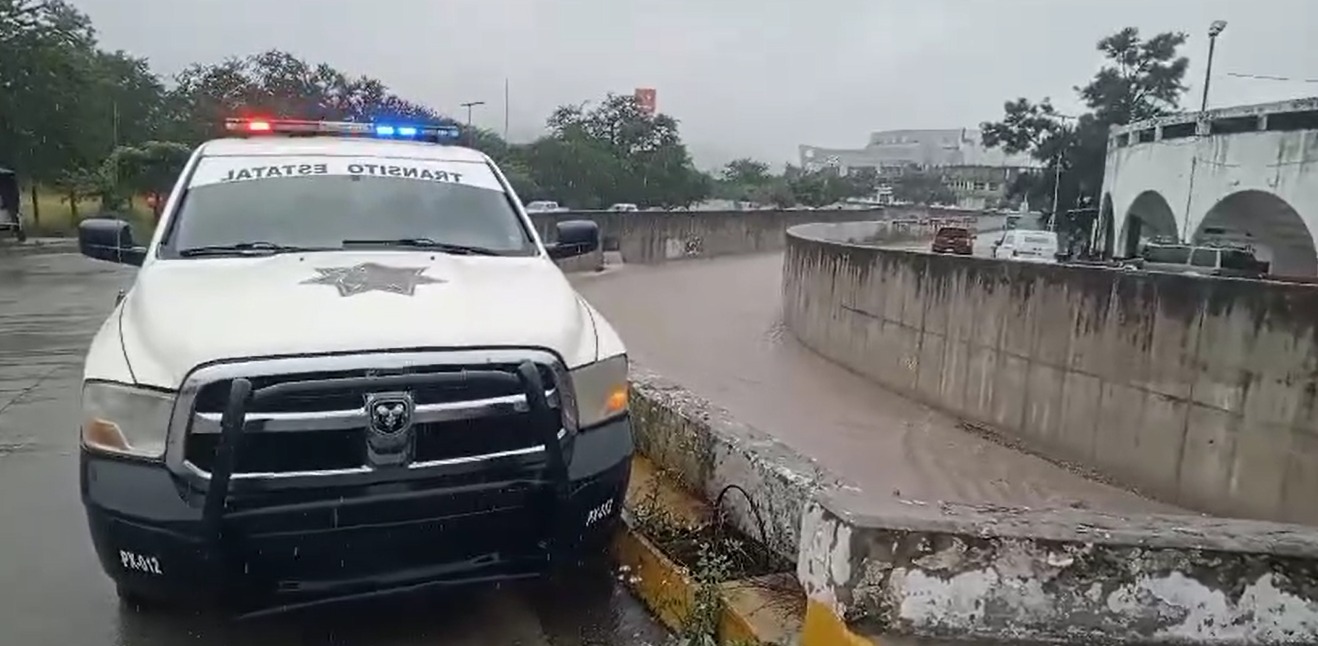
648,237
1065,576
1010,575
1197,391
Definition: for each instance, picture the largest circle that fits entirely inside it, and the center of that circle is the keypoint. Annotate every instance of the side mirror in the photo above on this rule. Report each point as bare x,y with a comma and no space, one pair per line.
574,238
110,240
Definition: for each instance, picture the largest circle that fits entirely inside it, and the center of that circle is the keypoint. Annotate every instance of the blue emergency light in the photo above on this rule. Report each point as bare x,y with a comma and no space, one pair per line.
422,132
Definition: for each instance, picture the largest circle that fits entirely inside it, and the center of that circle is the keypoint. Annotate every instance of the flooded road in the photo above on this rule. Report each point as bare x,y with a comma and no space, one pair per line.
50,305
714,326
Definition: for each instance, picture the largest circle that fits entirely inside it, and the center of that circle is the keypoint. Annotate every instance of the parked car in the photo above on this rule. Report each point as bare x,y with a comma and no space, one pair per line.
1025,244
10,220
957,240
1201,260
624,207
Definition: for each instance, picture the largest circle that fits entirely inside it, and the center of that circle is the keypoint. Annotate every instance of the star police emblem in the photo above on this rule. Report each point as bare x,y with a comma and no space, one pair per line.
370,277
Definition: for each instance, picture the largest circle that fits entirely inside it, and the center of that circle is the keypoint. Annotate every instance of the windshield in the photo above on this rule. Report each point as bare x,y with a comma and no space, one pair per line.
1239,259
321,202
1042,240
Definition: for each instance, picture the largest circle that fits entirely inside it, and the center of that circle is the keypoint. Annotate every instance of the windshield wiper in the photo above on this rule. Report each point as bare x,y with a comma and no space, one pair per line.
244,249
427,243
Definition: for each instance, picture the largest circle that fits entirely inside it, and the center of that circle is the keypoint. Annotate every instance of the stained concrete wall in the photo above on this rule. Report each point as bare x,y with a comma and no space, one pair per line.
1008,575
648,237
1017,576
1197,391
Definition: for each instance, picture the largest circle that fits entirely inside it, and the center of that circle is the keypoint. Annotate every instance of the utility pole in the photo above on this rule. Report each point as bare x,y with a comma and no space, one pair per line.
505,108
1213,31
471,136
1057,176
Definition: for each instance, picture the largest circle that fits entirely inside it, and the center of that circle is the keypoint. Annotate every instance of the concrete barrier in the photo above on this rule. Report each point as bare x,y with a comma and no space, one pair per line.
1058,576
1197,391
1013,575
648,237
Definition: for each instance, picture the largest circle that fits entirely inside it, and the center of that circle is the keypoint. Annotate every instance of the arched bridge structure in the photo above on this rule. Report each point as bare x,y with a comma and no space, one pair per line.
1246,175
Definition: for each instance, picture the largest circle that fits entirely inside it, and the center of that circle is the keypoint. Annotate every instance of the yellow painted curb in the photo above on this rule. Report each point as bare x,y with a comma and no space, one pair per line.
660,583
824,628
649,486
663,585
669,592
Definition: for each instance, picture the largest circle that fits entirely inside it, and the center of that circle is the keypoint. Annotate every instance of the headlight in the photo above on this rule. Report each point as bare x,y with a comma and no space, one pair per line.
601,390
125,420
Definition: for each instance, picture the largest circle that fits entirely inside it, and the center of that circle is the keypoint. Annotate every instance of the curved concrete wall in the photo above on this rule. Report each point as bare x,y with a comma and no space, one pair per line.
1197,391
647,237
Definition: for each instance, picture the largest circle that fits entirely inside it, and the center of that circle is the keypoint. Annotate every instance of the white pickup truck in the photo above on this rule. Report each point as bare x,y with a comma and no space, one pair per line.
347,367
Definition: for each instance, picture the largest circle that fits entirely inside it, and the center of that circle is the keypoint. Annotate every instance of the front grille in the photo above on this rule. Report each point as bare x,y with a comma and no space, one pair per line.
326,430
212,397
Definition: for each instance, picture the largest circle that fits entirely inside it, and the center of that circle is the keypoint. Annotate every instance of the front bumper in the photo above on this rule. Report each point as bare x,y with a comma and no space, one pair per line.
279,549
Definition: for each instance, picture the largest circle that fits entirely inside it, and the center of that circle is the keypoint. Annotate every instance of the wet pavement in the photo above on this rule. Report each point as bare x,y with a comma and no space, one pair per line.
50,305
715,327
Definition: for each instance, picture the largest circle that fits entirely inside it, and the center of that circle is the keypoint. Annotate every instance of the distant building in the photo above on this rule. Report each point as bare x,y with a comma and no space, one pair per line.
978,176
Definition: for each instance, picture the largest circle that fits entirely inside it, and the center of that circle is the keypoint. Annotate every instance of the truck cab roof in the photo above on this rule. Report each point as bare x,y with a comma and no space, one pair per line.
339,147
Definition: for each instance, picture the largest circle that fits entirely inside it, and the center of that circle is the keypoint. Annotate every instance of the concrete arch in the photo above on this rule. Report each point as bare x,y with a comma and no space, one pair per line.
1267,223
1149,215
1104,234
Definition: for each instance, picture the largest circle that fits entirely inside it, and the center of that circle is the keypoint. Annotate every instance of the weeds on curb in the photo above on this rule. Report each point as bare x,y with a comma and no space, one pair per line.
712,552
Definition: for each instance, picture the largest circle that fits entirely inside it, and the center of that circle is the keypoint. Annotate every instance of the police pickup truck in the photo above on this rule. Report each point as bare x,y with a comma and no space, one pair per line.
347,367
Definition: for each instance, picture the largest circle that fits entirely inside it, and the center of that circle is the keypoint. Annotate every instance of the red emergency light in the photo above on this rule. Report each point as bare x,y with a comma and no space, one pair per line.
432,133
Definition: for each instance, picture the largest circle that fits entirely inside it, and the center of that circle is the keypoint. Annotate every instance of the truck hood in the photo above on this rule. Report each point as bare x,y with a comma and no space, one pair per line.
183,313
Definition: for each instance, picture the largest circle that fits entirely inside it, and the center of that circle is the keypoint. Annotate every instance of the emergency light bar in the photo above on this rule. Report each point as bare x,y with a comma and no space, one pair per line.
343,128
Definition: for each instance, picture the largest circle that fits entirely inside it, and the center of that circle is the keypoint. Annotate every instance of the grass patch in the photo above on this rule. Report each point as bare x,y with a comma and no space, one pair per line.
55,216
711,551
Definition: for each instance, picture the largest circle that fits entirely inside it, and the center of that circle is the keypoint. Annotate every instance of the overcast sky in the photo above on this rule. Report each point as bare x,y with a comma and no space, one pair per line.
744,77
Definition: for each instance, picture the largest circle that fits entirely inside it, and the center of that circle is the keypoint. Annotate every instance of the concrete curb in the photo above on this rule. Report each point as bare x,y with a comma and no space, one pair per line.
35,246
707,450
748,614
934,570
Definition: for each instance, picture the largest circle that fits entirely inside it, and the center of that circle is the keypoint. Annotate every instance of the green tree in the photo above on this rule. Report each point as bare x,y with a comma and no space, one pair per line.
748,180
278,84
747,172
922,187
1140,79
614,152
826,185
576,171
150,169
46,65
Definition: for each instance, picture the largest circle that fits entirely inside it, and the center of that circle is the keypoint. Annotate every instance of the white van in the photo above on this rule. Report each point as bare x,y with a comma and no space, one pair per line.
544,206
1036,246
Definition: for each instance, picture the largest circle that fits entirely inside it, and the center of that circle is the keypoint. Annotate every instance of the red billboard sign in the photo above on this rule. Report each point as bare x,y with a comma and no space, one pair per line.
645,99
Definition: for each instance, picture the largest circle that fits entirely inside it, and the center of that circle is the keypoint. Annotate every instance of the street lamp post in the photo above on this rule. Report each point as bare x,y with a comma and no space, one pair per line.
1213,31
471,138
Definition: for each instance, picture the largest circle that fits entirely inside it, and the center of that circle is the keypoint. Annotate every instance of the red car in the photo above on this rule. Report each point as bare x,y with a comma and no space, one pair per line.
957,240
